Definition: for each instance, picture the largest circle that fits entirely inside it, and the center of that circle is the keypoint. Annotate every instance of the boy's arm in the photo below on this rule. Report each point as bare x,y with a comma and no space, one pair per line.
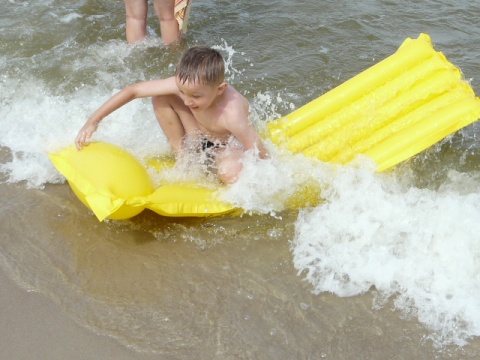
124,96
241,127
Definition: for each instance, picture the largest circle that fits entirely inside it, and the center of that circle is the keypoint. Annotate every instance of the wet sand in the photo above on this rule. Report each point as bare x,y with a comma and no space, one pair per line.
307,326
34,327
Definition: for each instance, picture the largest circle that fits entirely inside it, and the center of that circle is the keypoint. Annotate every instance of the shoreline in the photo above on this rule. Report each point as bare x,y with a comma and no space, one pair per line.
36,327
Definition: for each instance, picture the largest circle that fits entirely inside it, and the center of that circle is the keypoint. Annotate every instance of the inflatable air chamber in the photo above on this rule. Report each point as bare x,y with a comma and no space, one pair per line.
390,112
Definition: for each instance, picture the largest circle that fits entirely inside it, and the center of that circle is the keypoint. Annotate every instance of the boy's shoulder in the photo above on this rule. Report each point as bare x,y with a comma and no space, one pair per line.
234,94
236,105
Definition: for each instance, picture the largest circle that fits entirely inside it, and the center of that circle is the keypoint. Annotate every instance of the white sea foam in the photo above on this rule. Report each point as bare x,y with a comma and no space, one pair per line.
35,123
418,246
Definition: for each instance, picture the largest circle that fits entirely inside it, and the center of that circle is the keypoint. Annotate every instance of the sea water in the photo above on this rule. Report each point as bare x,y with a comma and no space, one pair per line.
380,262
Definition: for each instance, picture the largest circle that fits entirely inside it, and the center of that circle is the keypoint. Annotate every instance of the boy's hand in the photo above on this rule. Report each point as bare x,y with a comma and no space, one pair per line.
85,133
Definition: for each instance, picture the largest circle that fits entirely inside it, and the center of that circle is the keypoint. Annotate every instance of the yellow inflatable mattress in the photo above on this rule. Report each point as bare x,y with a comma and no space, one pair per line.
390,112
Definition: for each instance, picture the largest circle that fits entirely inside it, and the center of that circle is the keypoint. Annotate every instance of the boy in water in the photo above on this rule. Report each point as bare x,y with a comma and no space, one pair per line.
197,103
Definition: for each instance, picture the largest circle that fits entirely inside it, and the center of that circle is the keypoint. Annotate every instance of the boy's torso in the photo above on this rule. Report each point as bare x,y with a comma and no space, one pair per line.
213,121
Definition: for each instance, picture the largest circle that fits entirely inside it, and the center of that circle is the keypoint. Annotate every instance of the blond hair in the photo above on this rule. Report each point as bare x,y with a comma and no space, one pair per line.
201,64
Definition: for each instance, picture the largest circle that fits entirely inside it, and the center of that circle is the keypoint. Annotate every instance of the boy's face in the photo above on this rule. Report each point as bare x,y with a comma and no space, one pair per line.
198,96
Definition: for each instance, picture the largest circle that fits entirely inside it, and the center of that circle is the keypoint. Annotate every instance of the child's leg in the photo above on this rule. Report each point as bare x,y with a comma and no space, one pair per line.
174,118
168,24
229,164
136,20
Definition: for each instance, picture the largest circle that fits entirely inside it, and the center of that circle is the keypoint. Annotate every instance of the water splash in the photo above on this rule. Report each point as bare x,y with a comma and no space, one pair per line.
417,246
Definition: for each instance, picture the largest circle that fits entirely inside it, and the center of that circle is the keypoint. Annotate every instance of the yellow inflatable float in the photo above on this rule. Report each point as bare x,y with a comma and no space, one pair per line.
390,112
113,184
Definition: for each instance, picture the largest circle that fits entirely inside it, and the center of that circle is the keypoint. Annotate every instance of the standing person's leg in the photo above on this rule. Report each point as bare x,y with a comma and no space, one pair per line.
136,20
168,24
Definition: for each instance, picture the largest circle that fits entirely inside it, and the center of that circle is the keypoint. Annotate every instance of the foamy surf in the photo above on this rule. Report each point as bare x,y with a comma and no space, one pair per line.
415,246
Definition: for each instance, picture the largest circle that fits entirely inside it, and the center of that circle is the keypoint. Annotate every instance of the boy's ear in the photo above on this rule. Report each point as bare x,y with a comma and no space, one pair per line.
221,88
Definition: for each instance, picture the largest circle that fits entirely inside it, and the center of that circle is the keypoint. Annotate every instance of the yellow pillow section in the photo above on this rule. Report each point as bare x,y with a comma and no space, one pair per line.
113,184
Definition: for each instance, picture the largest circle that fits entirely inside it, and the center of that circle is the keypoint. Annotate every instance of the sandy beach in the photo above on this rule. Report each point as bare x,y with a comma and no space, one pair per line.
34,327
263,310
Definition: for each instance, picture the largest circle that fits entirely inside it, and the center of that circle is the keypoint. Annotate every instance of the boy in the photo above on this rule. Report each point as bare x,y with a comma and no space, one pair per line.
196,102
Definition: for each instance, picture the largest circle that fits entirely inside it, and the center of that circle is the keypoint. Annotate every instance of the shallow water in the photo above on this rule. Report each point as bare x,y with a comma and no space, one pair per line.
391,260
